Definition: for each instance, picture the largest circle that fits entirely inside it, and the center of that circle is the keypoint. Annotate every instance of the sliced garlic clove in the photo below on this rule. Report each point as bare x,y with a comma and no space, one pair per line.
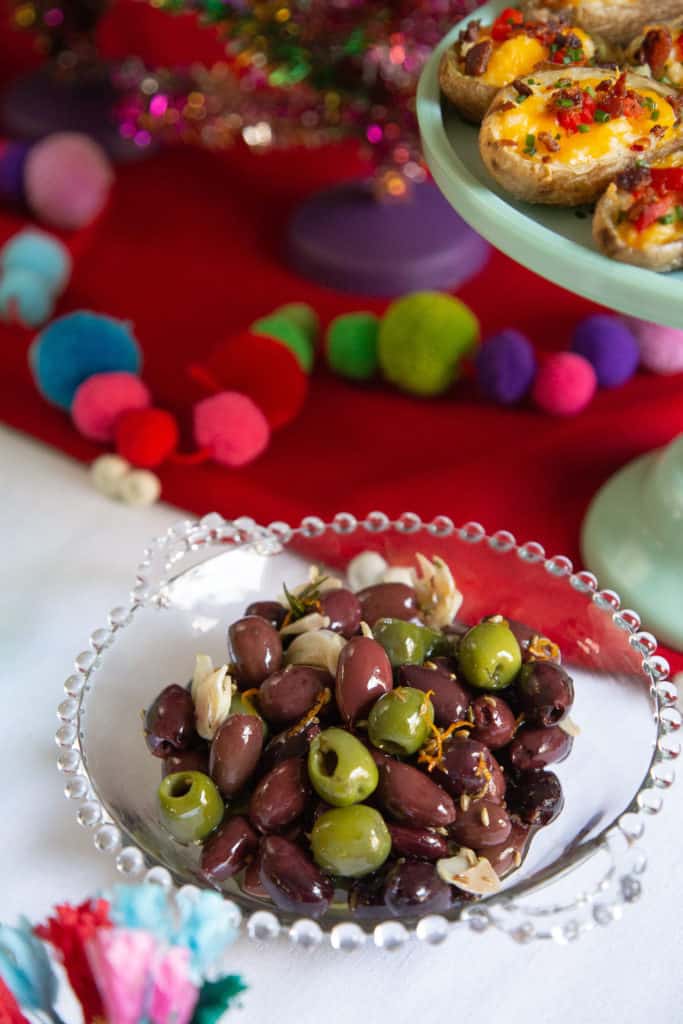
366,631
203,667
569,726
306,624
365,569
320,649
438,597
212,703
399,574
479,879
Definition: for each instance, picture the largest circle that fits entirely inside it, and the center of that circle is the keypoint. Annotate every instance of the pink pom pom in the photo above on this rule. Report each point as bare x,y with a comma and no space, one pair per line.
67,180
565,384
661,348
231,427
102,399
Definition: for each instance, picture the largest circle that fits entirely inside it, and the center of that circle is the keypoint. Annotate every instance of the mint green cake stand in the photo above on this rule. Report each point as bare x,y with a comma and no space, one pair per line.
554,242
632,539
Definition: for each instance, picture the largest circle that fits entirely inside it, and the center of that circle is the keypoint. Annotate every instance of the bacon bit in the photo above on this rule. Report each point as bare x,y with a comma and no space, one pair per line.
431,753
546,159
543,649
504,107
477,59
522,88
548,141
471,32
633,177
506,142
655,50
324,697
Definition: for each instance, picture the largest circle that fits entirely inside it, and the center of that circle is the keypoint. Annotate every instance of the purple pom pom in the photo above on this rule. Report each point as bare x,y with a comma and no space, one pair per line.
609,346
505,367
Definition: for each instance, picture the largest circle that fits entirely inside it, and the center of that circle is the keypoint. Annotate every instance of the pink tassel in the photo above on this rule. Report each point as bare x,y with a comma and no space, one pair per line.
174,996
122,961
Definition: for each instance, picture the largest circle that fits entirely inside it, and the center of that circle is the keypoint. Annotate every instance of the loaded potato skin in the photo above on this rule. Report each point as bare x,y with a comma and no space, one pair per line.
617,21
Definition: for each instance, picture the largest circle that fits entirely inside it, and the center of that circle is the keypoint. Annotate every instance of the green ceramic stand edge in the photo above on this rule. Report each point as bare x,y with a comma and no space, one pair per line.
632,539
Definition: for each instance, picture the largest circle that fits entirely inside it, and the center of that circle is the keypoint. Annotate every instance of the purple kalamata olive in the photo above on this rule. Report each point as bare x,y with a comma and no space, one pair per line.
343,609
506,856
363,675
409,796
388,601
536,748
251,880
366,897
272,611
415,887
286,696
421,843
194,760
449,699
170,723
256,650
288,744
482,824
494,721
535,797
465,767
525,635
229,848
280,797
545,693
293,881
497,785
235,752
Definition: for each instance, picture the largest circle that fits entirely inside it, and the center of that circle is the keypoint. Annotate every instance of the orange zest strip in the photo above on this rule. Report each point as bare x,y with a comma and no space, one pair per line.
323,698
431,753
543,649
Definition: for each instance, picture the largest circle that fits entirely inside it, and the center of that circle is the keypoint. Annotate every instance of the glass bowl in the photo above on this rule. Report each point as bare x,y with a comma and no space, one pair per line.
200,575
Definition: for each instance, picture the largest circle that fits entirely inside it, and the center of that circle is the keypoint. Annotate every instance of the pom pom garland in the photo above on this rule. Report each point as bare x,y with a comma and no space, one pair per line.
422,339
305,318
77,346
661,348
352,345
41,254
67,180
286,330
24,299
505,367
102,399
610,348
565,384
146,437
231,427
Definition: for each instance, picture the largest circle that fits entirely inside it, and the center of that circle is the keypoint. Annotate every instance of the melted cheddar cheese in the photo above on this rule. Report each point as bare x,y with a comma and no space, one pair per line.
532,117
655,234
520,55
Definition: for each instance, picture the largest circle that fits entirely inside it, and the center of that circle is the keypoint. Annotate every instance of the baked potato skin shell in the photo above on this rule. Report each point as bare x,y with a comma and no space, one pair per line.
661,258
617,22
471,97
553,183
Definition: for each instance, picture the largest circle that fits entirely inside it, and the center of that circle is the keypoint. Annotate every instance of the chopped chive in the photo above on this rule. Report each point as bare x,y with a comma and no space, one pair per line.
564,101
668,218
530,145
601,116
584,128
520,98
679,213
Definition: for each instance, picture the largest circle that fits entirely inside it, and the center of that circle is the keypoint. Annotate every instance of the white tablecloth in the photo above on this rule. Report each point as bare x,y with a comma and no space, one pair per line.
67,558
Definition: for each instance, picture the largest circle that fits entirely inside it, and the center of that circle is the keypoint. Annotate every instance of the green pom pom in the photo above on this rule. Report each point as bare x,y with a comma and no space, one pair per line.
304,316
422,339
352,345
285,330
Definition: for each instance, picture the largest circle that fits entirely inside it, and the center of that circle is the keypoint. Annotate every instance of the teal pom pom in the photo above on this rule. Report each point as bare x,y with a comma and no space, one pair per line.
75,347
285,330
41,254
352,345
25,298
215,997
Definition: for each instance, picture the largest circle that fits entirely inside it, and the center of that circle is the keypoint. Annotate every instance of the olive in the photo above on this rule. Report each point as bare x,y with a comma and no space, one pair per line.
196,760
536,748
400,721
243,704
465,767
482,824
280,797
449,699
350,841
272,611
366,897
407,795
546,693
251,880
169,722
340,768
387,601
227,851
489,655
505,856
286,696
343,609
191,806
535,797
497,784
406,643
288,744
494,722
525,634
422,843
292,881
235,752
256,649
363,675
414,887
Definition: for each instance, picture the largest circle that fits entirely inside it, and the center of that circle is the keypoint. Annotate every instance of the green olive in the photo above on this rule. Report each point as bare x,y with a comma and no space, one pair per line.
242,704
399,722
342,771
406,643
191,806
350,841
489,655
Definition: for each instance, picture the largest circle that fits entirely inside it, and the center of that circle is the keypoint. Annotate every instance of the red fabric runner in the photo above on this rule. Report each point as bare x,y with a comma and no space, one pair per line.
189,251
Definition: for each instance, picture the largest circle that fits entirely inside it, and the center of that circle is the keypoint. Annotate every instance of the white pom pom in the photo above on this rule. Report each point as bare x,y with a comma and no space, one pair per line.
140,488
107,472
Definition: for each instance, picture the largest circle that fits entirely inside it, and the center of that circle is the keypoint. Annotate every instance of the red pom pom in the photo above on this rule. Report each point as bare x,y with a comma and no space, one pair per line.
565,384
231,427
263,369
146,437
